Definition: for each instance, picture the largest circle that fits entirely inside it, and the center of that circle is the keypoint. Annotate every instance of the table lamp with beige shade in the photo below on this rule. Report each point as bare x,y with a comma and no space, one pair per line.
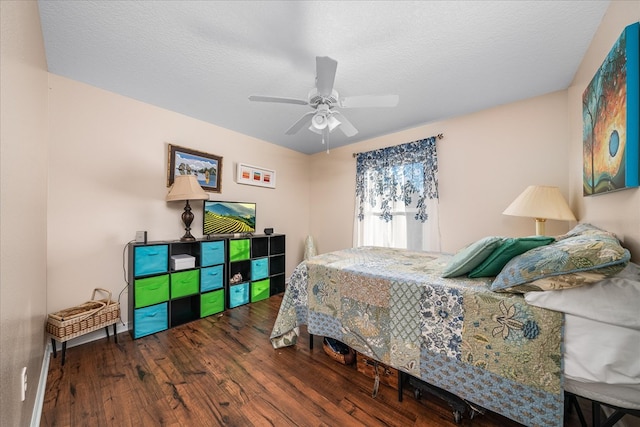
542,203
186,187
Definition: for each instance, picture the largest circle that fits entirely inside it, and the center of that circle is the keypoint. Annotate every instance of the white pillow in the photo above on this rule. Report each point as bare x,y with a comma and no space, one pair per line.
614,300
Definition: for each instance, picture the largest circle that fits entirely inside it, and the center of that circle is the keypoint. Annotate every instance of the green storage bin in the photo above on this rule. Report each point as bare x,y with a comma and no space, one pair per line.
185,283
151,290
239,249
211,303
260,290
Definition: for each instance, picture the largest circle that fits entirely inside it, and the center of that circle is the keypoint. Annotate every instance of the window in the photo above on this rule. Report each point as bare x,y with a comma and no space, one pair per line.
397,197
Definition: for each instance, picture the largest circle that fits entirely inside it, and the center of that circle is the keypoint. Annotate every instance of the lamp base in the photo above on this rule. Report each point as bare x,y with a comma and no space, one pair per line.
187,238
540,226
187,218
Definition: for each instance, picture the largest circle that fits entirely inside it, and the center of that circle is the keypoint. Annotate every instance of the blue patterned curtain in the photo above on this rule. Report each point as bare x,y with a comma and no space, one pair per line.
398,186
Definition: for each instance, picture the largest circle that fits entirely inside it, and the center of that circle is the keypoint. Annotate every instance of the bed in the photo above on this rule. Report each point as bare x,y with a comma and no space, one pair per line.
475,337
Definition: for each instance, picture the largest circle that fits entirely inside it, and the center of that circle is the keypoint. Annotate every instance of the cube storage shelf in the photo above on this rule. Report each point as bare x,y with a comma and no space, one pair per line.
227,273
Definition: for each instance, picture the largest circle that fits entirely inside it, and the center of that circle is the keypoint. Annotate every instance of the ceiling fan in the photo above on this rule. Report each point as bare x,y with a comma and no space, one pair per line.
324,100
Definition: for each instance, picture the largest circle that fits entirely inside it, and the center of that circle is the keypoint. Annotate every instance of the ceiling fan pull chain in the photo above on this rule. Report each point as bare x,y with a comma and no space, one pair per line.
325,138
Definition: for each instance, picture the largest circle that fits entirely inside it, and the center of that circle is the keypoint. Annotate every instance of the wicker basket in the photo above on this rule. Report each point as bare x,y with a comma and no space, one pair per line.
82,319
346,356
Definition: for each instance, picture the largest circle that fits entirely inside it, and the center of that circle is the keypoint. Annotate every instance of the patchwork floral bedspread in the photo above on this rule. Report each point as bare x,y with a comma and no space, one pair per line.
491,349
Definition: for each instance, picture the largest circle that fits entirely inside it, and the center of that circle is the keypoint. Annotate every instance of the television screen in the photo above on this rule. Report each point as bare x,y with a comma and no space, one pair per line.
228,217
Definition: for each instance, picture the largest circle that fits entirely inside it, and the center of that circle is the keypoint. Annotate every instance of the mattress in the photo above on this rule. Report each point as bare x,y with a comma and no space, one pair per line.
600,352
622,396
601,337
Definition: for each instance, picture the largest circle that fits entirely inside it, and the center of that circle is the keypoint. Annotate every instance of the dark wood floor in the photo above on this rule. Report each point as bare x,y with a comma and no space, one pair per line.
222,370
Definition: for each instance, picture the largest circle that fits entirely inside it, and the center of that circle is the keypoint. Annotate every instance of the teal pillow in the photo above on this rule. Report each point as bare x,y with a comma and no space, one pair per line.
471,256
502,255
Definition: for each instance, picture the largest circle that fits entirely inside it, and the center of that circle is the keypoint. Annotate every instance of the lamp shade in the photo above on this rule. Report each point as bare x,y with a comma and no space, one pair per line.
186,187
542,203
538,201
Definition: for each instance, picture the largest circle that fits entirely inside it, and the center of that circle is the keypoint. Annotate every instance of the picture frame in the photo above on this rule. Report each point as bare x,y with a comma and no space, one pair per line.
206,167
255,175
610,114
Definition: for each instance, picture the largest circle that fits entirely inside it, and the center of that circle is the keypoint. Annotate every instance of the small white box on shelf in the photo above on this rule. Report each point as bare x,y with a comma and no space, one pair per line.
182,262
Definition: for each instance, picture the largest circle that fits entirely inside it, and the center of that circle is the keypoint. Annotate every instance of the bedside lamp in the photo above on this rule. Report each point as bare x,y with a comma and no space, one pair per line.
186,187
542,203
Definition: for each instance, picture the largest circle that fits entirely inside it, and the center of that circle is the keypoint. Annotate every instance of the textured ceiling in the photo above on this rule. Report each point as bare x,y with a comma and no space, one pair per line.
204,58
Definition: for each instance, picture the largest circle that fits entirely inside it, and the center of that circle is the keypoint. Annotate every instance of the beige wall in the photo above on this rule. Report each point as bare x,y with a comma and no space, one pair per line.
620,211
23,216
485,161
107,179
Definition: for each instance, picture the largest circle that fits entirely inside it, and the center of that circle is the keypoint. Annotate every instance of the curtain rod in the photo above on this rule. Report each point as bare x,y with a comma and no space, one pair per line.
438,136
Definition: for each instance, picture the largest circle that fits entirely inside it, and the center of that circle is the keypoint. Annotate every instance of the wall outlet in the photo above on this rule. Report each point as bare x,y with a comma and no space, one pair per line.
23,384
141,237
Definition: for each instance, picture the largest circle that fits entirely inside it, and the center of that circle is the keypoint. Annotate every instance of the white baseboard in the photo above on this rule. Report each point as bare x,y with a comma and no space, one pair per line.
42,387
44,371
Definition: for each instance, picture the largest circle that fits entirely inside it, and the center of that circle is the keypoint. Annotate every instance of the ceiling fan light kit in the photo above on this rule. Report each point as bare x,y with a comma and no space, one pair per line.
319,120
324,100
333,123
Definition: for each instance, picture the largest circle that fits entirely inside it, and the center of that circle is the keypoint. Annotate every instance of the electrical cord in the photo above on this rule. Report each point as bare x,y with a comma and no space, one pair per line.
124,269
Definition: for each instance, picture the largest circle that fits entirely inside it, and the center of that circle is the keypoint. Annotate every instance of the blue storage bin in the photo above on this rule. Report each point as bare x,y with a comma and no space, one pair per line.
211,278
150,320
152,259
259,268
212,253
238,295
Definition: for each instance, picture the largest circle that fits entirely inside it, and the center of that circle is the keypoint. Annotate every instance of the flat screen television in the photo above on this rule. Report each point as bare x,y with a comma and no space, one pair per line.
228,217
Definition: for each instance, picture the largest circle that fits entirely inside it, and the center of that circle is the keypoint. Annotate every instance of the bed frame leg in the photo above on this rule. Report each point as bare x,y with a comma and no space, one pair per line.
310,341
614,418
595,414
571,402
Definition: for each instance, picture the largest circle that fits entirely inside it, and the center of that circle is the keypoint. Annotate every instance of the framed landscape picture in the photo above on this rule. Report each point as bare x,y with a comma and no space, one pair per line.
610,113
206,167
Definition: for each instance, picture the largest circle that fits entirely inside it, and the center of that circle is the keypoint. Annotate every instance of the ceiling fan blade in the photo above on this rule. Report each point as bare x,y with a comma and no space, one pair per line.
369,101
325,74
302,122
345,125
282,100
